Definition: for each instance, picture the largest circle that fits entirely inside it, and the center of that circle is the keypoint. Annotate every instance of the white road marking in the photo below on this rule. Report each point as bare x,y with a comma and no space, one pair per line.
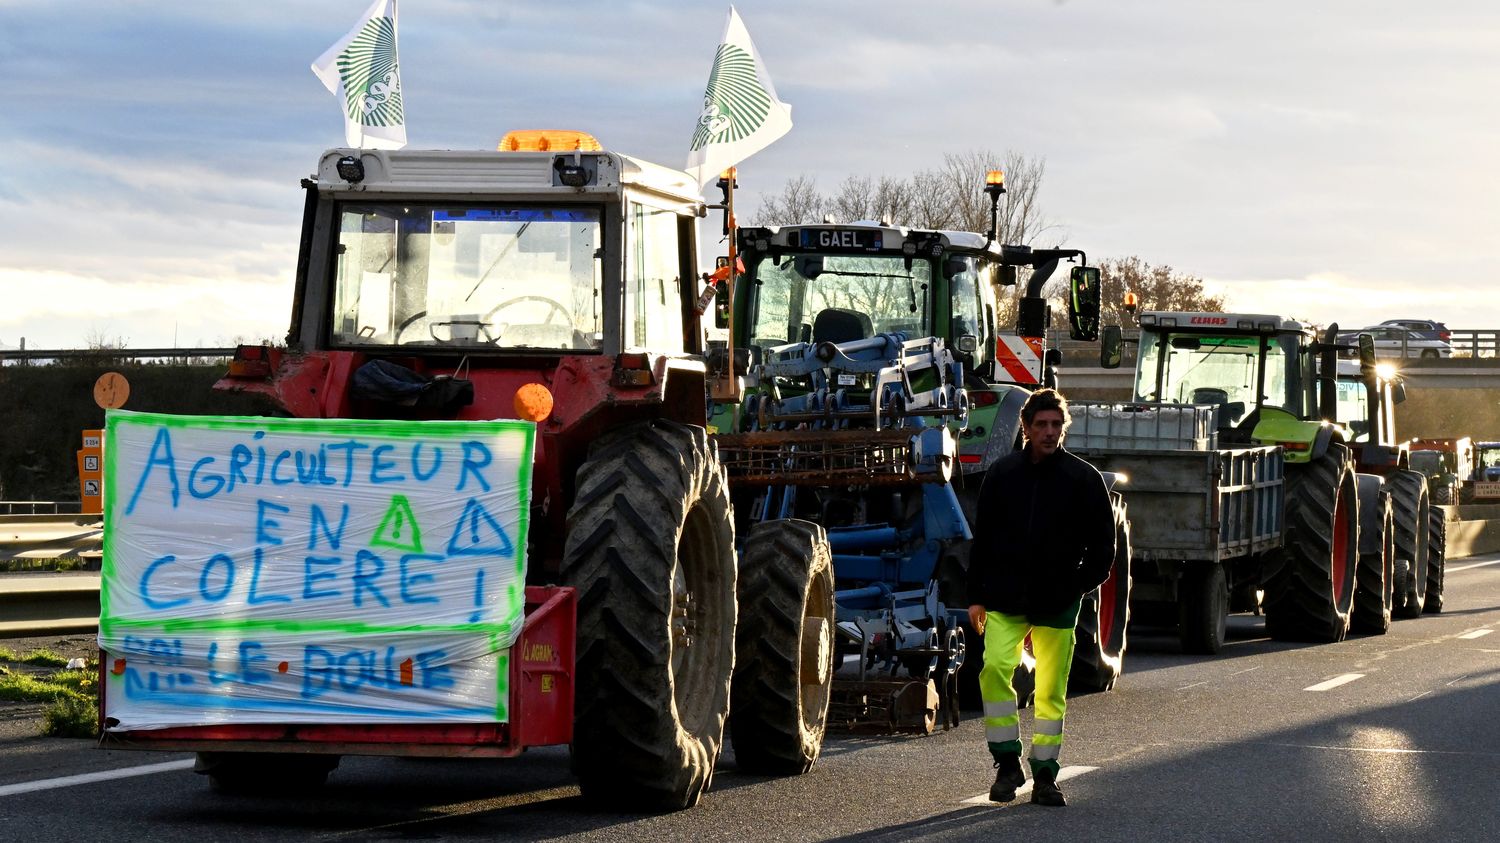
89,778
1335,682
1246,670
1062,775
1194,685
1452,570
1478,633
1419,696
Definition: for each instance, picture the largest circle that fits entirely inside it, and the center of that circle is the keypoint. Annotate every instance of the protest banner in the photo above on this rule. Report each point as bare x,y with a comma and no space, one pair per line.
261,570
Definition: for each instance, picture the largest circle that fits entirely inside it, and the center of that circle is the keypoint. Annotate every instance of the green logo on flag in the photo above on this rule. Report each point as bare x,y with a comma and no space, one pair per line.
372,81
735,104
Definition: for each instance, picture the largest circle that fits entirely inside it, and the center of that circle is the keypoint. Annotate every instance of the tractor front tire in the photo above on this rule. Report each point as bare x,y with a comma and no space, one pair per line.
1411,509
1375,579
1099,649
783,666
1442,495
1308,597
1437,562
650,548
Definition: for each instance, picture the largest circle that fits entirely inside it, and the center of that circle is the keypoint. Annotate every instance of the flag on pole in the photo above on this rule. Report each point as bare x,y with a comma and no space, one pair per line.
741,114
361,69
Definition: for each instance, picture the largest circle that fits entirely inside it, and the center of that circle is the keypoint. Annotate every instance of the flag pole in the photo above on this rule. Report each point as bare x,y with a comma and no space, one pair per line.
727,387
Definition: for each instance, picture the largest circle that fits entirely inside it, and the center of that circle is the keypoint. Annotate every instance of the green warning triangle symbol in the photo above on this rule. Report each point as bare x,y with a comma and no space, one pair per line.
399,529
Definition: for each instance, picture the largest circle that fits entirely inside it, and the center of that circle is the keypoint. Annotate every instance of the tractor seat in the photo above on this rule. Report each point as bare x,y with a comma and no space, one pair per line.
837,325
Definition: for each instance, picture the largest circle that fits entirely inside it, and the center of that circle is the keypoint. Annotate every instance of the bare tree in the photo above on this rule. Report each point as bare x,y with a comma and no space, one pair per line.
1156,287
854,201
798,201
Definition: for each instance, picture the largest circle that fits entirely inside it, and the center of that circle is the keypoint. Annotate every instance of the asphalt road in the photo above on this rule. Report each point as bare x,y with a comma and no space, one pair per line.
1240,746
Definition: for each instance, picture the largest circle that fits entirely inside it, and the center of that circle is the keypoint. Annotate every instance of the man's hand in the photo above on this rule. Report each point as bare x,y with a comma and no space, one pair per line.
976,618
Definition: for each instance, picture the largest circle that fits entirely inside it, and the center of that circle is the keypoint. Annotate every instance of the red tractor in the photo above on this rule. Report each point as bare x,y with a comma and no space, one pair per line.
554,283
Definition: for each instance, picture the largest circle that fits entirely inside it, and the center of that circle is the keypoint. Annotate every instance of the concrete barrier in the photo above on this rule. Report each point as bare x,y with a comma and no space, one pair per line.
1473,530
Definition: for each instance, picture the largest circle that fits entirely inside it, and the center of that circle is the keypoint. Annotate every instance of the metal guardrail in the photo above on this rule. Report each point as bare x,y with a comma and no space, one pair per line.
49,536
31,355
40,507
48,604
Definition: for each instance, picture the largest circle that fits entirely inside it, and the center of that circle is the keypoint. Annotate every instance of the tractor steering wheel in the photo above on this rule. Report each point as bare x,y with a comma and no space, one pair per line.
400,329
556,308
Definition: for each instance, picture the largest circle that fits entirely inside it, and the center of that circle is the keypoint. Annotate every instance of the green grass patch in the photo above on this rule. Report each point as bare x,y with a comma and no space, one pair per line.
8,655
71,717
44,658
20,687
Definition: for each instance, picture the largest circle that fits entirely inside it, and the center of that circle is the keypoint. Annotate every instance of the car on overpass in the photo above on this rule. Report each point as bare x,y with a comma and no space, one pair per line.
1427,328
1396,341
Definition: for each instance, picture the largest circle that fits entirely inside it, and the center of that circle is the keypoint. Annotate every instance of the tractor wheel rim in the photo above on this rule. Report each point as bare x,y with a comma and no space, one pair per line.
1107,612
1340,566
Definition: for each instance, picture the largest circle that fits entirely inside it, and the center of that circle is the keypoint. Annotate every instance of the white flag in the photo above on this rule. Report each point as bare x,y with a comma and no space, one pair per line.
362,70
741,114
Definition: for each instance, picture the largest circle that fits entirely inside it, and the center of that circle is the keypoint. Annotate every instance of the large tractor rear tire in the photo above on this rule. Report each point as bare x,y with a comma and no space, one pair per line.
650,549
1437,559
1411,510
1204,600
1375,579
783,667
1308,597
1099,651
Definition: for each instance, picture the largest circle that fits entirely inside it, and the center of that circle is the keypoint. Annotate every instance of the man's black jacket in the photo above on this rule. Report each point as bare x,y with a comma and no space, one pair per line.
1044,535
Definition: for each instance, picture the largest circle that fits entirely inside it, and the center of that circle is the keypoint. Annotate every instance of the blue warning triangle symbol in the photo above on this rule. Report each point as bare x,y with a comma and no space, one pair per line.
479,534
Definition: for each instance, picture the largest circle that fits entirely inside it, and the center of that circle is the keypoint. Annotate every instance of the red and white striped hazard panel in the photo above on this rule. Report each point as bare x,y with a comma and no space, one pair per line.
1020,358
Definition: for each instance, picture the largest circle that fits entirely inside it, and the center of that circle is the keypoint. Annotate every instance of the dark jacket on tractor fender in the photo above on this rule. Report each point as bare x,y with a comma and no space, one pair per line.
1046,535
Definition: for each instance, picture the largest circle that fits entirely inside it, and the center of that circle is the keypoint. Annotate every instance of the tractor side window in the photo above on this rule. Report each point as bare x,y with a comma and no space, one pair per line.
966,310
653,298
1354,407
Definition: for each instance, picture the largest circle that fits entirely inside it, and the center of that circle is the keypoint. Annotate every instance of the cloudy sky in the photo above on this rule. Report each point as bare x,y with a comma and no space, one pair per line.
1334,161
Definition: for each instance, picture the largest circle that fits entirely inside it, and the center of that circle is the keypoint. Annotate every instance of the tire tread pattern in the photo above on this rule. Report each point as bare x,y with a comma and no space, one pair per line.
1300,604
779,564
634,496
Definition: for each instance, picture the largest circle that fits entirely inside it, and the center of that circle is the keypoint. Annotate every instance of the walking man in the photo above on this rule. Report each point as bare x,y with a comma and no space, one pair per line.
1044,537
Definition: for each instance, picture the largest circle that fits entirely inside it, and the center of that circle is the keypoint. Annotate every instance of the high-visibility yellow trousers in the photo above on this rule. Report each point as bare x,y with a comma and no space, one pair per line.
1004,637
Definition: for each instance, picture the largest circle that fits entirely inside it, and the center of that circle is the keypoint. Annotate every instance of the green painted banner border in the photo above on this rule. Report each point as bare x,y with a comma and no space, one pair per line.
399,429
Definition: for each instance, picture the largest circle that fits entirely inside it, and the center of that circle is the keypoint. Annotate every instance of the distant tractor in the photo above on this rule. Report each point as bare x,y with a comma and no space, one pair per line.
1243,493
1448,465
1485,487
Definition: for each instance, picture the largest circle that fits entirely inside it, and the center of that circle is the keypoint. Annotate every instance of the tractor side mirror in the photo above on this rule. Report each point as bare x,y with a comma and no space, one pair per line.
1009,276
1111,347
1366,351
1083,303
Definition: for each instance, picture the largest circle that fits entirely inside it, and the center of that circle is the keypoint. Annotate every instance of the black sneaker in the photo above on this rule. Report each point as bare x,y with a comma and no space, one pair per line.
1008,777
1044,791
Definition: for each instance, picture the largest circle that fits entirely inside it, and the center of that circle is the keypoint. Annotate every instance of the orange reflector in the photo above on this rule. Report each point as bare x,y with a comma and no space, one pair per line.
633,360
994,177
119,667
548,140
1296,446
533,402
970,458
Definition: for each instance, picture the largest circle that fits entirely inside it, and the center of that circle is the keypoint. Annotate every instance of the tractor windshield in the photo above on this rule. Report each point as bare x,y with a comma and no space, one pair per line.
1201,368
493,276
838,298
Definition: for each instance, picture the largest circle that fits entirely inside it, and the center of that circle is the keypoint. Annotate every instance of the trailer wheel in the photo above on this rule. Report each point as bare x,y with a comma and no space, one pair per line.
783,655
1099,651
1437,563
1308,597
1205,608
650,549
1375,579
1411,508
252,773
1466,492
